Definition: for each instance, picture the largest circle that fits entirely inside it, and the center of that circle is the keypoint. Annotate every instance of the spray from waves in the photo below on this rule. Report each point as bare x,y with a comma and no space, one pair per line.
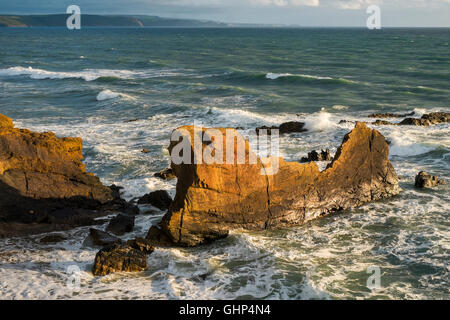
339,107
403,145
320,121
88,74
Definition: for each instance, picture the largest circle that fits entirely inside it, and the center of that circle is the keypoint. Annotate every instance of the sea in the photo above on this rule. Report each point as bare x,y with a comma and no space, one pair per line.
91,82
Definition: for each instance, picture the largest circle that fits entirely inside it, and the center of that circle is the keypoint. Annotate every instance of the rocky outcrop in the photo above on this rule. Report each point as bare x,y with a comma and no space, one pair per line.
323,155
391,115
117,258
121,224
284,128
159,199
141,244
426,180
43,181
166,174
102,238
426,120
212,199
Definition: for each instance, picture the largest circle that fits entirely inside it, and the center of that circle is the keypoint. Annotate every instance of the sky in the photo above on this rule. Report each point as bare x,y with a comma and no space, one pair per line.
394,13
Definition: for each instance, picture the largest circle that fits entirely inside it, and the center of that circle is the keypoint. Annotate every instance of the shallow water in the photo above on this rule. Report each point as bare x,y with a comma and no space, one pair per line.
88,83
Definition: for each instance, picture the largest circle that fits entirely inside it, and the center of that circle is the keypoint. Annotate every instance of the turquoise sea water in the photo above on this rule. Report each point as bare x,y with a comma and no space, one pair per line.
88,83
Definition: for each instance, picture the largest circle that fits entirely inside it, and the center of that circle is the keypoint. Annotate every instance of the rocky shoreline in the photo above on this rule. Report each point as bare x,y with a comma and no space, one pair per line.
44,187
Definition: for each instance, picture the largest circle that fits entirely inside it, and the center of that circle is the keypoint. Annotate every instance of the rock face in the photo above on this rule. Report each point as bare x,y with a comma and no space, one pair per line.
426,180
141,244
324,155
102,238
43,180
159,199
166,174
391,115
212,199
117,258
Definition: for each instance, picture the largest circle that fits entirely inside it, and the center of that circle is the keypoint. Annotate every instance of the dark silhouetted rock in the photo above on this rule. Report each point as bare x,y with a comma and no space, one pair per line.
324,155
159,199
121,224
426,180
166,174
145,151
213,199
102,238
287,127
391,115
383,123
158,238
53,238
141,244
118,258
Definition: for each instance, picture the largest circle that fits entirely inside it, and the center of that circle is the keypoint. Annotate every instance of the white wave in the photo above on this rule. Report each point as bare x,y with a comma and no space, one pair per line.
273,76
319,121
404,145
339,107
87,74
107,94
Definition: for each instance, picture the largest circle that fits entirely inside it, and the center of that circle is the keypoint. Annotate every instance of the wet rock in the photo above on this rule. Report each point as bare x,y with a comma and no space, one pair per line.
391,115
383,123
437,117
145,151
166,174
213,199
324,155
426,180
118,258
102,238
121,224
346,121
141,244
158,238
131,120
414,122
159,199
43,180
284,128
53,238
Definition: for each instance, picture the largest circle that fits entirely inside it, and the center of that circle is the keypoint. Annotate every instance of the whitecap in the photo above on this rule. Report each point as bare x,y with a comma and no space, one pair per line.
319,121
107,94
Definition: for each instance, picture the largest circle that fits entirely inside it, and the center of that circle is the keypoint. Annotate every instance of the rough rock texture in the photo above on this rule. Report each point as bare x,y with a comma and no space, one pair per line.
43,181
117,258
141,244
426,180
324,155
213,199
121,224
158,238
102,238
159,199
53,238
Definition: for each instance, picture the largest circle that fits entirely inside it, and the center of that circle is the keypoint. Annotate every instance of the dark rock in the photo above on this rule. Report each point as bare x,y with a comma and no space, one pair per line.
426,180
268,129
346,121
157,237
131,120
159,199
131,210
211,200
145,151
383,123
53,238
414,122
437,117
287,127
121,224
166,174
391,115
118,258
102,238
324,155
141,244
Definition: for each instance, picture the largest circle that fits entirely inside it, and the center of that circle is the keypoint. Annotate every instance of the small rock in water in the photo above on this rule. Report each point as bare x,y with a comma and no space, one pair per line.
159,199
102,238
391,115
141,244
287,127
53,238
117,258
145,151
426,180
166,174
121,224
324,155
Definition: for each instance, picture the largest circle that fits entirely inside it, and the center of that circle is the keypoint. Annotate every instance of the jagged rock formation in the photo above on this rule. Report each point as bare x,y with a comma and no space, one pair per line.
116,258
324,155
426,120
426,180
43,181
212,199
286,127
391,115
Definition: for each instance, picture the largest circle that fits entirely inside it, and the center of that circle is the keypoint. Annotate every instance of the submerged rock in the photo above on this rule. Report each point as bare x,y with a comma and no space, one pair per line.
324,155
53,238
159,199
117,258
102,238
426,180
166,174
426,120
213,199
121,224
44,181
287,127
391,115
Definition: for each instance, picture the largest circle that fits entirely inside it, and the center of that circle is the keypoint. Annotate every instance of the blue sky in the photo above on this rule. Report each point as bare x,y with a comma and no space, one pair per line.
397,13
